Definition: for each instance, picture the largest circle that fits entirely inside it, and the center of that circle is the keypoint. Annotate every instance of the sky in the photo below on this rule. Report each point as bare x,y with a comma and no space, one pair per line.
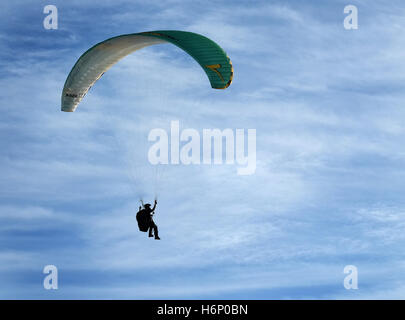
328,107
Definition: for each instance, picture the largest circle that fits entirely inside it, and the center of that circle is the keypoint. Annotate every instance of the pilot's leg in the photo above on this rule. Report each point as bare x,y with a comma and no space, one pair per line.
155,230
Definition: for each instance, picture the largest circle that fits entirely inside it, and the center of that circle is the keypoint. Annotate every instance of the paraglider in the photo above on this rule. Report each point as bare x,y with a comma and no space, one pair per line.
144,217
101,57
98,59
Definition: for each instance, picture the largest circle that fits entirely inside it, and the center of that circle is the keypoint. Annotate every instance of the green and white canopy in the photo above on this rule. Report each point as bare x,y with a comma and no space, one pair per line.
98,59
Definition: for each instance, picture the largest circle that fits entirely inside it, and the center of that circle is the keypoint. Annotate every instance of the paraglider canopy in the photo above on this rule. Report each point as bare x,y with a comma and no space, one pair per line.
98,59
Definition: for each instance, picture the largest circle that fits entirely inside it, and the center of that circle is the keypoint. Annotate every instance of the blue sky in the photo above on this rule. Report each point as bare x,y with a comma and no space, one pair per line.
327,104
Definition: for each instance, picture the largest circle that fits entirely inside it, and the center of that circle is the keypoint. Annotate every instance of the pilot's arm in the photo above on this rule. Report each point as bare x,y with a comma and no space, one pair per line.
154,206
